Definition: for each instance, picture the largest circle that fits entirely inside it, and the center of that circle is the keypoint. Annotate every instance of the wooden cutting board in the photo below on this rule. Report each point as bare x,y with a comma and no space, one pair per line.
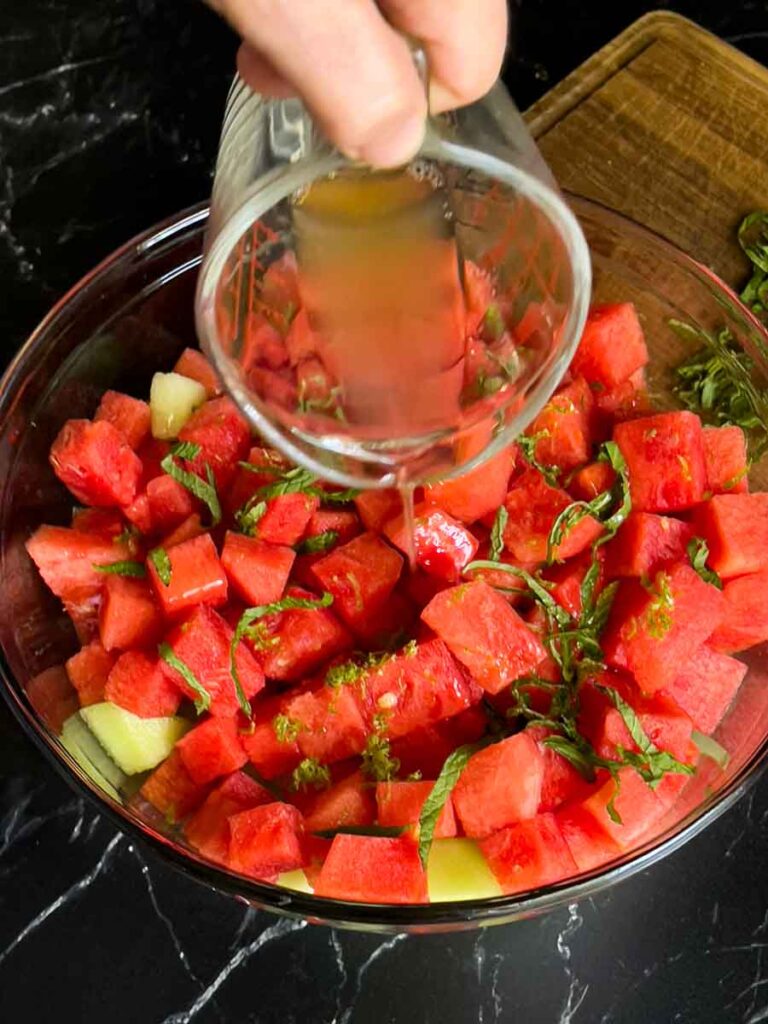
668,125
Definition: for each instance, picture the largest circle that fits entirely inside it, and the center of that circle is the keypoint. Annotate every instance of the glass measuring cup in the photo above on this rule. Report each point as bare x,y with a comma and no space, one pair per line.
390,395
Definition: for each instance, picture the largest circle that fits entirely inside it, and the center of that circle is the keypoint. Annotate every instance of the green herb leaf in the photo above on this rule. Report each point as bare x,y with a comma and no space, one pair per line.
651,764
449,775
162,563
203,698
496,546
320,542
573,752
698,553
753,239
611,507
300,481
136,569
204,490
378,762
310,772
250,515
185,450
251,615
717,382
527,445
382,831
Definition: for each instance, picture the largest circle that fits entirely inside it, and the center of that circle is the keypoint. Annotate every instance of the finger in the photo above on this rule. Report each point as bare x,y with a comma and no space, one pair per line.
354,72
261,75
464,41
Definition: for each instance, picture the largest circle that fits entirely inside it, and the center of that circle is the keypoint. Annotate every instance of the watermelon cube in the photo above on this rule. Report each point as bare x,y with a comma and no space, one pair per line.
295,642
202,642
171,789
88,671
349,802
500,785
129,615
67,561
188,530
416,688
52,696
265,840
286,518
635,803
271,750
376,508
533,506
212,749
735,527
193,364
745,619
196,577
137,684
94,462
400,803
424,750
442,545
725,456
561,782
106,523
330,723
529,855
663,721
360,575
564,427
129,416
645,543
566,580
169,503
655,630
593,479
626,401
257,571
665,461
152,452
371,869
589,843
612,346
705,687
475,494
223,437
208,828
341,521
487,636
139,514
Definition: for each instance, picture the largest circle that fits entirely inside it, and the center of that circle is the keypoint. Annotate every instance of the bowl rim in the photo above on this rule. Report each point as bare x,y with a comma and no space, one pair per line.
371,917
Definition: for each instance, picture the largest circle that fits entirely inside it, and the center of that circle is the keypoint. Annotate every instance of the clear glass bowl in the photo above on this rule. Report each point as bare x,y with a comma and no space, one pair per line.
129,318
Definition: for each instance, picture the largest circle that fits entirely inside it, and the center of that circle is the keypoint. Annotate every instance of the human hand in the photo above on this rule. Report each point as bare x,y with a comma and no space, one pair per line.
349,63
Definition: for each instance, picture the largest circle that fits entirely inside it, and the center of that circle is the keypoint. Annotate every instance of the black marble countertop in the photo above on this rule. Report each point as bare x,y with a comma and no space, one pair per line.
109,116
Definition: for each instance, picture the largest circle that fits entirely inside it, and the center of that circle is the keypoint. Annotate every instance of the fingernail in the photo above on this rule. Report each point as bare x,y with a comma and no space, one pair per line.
395,142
